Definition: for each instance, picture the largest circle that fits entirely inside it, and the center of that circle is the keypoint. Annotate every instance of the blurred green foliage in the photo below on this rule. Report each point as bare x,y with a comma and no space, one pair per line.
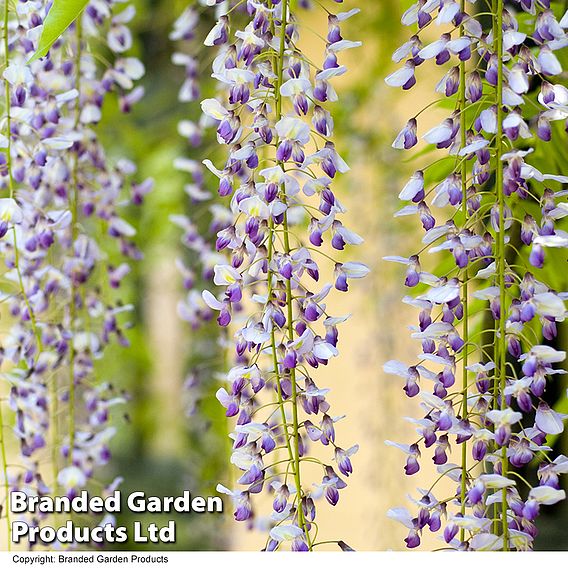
148,136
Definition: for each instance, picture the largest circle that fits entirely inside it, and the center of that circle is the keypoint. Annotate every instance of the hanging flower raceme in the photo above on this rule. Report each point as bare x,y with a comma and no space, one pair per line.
59,193
205,216
272,114
203,254
487,327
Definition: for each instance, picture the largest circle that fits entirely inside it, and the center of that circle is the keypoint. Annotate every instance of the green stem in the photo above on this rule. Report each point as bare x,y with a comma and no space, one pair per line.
11,188
501,262
74,231
11,185
8,162
290,316
5,473
465,291
270,275
273,347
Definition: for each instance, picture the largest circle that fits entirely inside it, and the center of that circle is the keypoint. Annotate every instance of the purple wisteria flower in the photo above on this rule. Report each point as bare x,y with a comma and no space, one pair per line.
271,113
487,326
59,192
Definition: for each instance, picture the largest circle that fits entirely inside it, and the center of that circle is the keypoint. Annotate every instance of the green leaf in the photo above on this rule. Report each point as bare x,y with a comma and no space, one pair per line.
61,15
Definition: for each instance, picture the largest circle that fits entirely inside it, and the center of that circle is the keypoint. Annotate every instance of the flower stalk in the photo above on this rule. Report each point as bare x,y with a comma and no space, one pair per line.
501,260
500,413
279,185
74,207
6,482
465,276
290,310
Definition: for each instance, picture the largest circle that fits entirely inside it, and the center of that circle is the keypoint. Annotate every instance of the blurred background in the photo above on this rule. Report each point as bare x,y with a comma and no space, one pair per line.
171,442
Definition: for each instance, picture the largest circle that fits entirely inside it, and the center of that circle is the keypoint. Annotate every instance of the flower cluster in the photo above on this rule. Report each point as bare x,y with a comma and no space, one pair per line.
201,245
487,326
61,200
272,114
204,215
